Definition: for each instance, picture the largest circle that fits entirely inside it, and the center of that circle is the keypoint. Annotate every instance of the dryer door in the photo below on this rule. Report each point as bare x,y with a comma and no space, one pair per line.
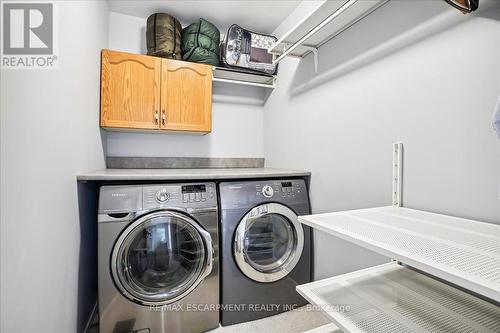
268,242
161,257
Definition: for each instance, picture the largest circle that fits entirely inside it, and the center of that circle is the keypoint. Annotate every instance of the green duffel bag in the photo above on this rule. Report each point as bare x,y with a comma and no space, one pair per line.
163,36
200,43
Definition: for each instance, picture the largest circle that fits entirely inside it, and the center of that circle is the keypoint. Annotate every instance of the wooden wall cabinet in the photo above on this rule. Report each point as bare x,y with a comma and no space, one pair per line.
149,93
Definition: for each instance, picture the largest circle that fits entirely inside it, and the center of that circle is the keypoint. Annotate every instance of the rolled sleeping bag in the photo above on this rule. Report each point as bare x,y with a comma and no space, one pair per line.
200,43
163,36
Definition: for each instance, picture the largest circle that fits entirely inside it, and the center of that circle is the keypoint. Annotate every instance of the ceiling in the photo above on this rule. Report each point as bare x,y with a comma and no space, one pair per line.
257,15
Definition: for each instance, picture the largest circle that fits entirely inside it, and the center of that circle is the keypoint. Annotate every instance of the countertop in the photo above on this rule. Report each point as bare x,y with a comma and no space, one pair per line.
188,174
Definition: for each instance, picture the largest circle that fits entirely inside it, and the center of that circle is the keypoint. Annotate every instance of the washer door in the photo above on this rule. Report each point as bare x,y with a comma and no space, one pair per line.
268,242
161,258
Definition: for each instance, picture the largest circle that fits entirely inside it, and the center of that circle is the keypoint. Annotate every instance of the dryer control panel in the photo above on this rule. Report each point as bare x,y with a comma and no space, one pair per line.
251,193
281,189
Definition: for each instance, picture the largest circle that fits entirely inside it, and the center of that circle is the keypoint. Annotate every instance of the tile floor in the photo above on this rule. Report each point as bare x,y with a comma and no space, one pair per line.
297,321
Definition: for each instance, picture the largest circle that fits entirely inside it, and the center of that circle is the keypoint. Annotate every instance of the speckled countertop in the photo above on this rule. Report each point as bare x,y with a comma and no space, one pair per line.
188,174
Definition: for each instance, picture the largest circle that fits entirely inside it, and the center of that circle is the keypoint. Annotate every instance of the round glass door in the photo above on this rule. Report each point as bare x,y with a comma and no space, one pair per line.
161,257
268,242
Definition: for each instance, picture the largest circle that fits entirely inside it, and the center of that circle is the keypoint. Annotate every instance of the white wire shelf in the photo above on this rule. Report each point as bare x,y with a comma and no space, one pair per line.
463,252
233,76
327,20
394,299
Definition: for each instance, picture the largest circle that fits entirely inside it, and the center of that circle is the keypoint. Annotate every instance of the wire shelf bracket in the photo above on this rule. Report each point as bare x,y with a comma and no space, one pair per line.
327,21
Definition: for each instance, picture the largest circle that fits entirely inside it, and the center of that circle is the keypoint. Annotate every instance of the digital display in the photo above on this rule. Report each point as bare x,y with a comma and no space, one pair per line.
286,184
193,188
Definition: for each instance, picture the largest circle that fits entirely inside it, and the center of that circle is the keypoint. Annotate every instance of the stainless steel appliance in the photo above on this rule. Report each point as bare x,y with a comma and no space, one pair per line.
265,251
158,258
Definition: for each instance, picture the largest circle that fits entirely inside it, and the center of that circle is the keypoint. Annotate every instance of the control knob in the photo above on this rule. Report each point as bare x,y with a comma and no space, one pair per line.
162,195
268,191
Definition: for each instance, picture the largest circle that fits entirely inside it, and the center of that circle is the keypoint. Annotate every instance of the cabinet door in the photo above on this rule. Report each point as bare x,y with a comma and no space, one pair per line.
186,98
130,90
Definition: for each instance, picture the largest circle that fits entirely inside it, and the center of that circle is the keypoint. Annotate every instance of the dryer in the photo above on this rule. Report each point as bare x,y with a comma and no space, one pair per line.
158,258
265,250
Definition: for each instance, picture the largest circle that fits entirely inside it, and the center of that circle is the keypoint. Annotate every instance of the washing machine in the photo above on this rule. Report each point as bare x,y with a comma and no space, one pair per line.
158,258
265,250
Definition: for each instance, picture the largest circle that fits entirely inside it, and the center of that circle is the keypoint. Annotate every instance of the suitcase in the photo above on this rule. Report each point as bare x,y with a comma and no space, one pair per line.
247,50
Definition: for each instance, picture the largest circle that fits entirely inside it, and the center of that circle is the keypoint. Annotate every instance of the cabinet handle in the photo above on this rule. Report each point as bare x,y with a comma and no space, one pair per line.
163,117
156,117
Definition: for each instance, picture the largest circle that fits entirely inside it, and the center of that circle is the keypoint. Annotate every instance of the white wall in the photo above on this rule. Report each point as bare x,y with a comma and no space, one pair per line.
127,33
237,128
236,132
393,77
49,133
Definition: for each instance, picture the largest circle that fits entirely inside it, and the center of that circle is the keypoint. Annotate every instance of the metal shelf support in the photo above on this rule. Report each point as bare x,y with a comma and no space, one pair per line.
310,48
314,50
292,42
397,175
227,75
316,29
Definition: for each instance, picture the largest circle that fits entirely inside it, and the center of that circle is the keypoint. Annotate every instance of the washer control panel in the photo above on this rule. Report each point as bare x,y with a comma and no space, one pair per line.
196,193
193,195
